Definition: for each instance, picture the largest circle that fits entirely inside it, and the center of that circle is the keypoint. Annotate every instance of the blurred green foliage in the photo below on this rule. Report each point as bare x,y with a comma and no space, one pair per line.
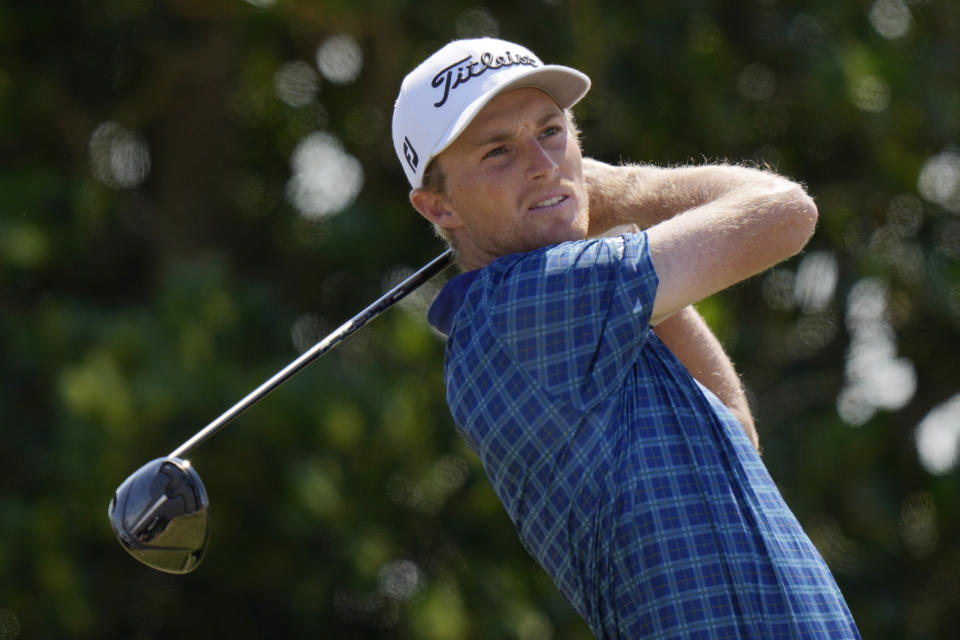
181,214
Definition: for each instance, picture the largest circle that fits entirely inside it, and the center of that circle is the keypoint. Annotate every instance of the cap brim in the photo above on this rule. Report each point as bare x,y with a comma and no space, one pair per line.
565,85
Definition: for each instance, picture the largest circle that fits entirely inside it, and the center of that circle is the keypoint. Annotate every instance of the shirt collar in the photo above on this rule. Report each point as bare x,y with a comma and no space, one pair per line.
449,300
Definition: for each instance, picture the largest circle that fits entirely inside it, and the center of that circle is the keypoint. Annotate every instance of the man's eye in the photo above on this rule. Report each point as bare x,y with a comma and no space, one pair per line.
551,131
493,153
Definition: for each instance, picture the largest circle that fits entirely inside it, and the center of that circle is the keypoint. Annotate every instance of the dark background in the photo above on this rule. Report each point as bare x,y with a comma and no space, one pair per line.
191,193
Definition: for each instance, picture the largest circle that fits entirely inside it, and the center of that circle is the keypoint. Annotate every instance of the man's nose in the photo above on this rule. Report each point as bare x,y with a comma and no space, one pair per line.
540,162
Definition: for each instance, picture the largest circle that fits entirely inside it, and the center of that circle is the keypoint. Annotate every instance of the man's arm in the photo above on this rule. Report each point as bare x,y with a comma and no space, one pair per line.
687,335
647,196
708,227
689,338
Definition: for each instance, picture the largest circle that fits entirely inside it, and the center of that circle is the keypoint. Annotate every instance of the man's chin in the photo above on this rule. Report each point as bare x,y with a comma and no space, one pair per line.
568,232
555,238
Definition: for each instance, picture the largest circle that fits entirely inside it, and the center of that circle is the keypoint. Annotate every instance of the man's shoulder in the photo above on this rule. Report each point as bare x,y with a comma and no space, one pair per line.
524,283
555,260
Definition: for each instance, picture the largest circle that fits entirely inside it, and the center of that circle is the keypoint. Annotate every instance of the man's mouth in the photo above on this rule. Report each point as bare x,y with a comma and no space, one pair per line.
549,202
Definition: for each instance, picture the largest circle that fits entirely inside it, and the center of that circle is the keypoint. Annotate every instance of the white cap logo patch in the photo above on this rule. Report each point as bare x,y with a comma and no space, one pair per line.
469,68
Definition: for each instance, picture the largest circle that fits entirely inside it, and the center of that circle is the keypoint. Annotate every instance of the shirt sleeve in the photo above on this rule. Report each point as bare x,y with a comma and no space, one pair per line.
575,315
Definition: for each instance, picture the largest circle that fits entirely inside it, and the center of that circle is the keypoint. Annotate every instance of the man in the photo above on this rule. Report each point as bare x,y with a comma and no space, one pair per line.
609,420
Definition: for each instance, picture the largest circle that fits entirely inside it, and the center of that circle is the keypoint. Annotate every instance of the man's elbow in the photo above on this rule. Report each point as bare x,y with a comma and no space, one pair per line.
799,219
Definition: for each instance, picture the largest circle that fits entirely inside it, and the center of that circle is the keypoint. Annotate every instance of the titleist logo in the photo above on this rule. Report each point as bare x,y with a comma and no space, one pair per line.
462,71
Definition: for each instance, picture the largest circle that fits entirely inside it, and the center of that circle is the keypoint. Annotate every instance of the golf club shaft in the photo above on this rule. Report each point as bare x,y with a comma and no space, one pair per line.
383,303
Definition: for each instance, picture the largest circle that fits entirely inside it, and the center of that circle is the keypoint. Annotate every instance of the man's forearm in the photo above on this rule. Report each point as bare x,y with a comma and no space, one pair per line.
690,339
646,195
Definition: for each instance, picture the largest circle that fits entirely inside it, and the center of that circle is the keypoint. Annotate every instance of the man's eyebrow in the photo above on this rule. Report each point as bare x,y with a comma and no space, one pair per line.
496,136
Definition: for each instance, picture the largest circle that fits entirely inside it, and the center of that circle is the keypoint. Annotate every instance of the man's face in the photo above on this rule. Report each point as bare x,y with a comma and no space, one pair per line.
514,180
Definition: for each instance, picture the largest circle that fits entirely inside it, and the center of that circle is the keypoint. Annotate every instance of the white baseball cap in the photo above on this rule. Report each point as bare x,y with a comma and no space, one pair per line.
441,97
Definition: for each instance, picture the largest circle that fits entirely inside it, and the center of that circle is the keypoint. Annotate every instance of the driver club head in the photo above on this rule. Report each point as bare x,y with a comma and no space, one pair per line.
160,515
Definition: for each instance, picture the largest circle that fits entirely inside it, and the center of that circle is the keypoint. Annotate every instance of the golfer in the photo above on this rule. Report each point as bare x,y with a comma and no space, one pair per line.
608,418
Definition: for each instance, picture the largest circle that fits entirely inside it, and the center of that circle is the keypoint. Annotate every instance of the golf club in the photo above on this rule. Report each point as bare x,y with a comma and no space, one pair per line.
160,514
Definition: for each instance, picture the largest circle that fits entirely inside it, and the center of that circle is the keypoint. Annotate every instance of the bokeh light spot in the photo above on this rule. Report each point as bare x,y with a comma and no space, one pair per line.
816,281
307,330
875,377
939,180
340,59
296,83
937,437
890,18
870,93
400,580
815,330
326,179
119,157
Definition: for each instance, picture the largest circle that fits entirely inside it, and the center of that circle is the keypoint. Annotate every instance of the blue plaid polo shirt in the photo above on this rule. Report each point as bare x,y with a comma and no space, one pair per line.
627,480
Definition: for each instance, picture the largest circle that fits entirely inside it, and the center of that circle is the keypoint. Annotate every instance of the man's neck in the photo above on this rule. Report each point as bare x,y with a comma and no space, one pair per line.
469,255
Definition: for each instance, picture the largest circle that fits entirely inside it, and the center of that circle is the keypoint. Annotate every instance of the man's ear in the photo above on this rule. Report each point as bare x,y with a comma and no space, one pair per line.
433,206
